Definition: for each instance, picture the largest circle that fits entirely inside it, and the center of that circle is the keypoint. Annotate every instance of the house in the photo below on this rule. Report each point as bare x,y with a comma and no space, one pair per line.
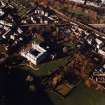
35,54
98,74
38,53
41,15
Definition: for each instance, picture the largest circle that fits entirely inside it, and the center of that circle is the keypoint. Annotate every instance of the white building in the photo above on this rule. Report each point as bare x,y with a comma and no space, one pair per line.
100,50
35,54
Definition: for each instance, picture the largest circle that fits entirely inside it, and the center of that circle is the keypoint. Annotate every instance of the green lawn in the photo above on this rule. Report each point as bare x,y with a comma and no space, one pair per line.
47,68
79,96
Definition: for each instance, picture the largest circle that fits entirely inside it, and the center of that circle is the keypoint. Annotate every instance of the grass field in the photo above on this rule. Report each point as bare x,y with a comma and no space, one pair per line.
81,95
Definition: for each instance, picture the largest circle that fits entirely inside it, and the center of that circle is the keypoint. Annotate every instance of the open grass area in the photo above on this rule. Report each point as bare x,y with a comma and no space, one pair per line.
81,95
47,68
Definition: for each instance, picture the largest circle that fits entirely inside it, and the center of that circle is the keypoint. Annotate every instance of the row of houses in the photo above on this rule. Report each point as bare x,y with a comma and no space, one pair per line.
12,35
41,15
85,37
39,12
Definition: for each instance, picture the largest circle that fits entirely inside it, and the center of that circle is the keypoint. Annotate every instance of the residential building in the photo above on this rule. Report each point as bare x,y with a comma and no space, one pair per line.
35,54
